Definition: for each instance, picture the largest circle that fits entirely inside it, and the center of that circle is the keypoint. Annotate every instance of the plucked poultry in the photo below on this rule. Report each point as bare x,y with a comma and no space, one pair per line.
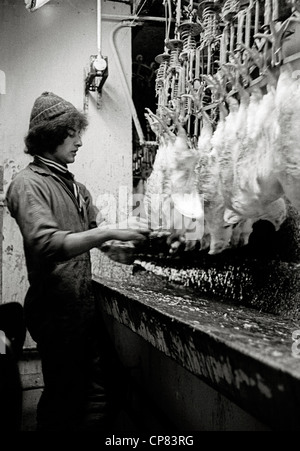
224,142
216,233
244,143
157,198
274,212
287,150
253,190
171,199
182,160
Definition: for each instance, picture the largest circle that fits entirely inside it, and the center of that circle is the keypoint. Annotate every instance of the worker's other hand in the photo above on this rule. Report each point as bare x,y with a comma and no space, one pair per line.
125,244
136,236
133,228
176,242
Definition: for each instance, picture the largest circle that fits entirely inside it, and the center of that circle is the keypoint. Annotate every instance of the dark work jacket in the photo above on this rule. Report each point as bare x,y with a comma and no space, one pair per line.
60,297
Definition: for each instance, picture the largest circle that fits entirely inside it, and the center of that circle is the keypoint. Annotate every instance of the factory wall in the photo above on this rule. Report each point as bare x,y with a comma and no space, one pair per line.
49,50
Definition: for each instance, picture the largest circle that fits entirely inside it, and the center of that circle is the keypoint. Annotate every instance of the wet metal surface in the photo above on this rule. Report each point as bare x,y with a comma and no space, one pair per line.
263,335
244,354
267,286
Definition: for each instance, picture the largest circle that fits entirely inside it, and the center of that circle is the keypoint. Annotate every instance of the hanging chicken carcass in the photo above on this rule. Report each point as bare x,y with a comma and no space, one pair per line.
171,200
287,151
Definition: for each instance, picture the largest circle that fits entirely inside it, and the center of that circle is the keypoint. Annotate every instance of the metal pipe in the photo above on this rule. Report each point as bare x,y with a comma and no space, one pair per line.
123,78
99,27
178,17
133,18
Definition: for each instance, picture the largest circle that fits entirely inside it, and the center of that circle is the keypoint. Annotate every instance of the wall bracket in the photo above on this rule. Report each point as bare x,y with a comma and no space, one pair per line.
96,76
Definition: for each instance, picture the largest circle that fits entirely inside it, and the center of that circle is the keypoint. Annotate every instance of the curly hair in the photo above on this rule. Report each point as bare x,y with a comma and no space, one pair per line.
46,136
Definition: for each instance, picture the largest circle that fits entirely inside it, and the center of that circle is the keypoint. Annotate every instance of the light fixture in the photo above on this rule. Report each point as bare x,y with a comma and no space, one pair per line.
33,5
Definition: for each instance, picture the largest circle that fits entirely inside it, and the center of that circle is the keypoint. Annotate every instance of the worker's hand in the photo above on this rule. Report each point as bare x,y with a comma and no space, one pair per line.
133,228
136,236
124,243
176,242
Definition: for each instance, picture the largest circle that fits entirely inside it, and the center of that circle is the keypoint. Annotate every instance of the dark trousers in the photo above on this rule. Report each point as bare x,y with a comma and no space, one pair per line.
74,396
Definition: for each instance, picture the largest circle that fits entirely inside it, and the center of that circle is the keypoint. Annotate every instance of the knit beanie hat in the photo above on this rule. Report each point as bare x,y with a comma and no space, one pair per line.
48,106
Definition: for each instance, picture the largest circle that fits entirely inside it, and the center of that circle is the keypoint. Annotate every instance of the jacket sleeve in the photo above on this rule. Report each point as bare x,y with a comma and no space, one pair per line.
30,205
91,209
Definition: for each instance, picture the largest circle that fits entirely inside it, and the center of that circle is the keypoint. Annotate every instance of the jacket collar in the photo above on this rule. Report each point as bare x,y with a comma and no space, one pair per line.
40,167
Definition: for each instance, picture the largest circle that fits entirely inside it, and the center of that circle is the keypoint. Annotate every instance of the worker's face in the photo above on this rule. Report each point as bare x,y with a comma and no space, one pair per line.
66,152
